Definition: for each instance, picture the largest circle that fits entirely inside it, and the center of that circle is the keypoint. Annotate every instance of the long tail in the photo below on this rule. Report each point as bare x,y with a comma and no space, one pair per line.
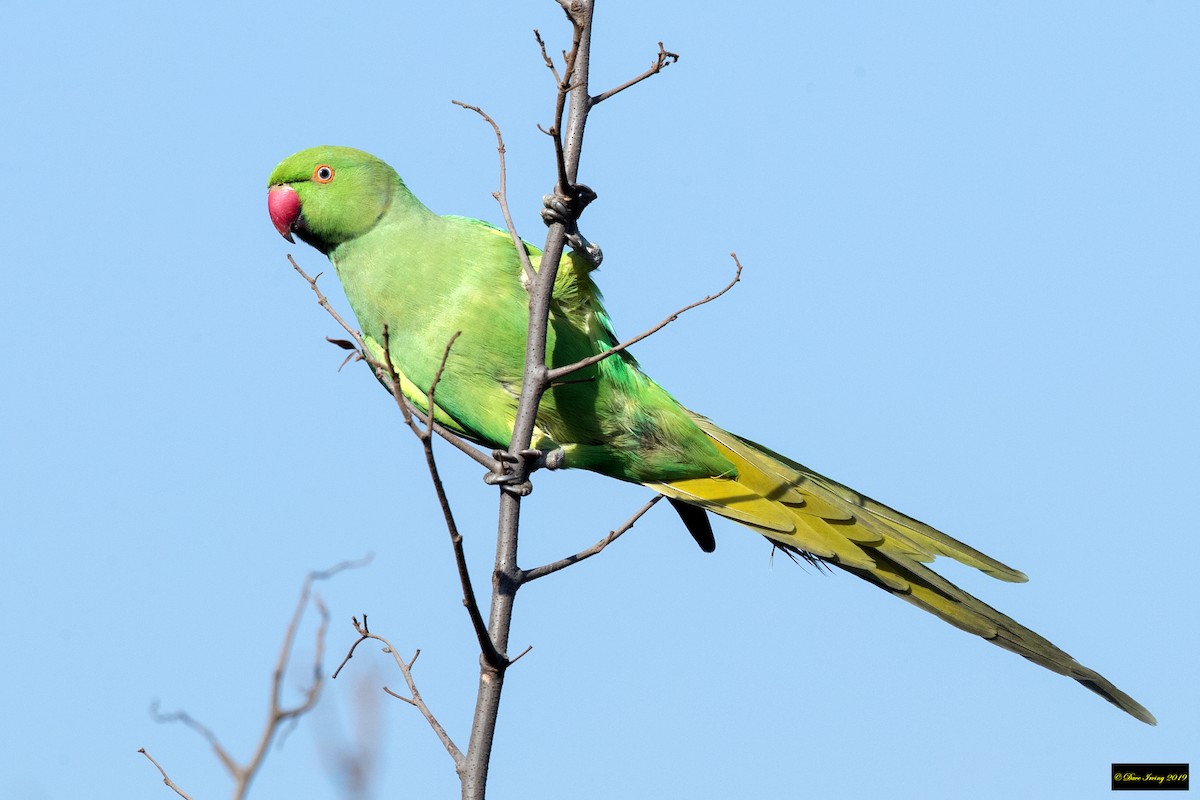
809,514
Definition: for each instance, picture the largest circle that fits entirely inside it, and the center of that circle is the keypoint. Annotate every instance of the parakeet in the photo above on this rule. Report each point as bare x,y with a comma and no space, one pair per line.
427,277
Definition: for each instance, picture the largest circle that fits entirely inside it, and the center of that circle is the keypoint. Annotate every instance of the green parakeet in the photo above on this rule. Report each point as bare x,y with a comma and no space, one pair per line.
428,276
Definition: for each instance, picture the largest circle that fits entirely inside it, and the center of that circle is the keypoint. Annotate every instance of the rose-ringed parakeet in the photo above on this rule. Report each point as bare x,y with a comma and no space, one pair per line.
427,277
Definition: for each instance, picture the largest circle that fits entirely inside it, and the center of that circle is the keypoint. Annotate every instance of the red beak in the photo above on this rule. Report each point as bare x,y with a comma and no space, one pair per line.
284,206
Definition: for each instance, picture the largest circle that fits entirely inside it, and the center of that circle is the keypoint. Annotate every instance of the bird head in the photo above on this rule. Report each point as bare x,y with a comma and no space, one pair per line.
329,195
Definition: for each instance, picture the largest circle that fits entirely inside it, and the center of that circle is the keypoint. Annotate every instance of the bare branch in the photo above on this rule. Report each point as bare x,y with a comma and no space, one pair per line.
393,384
520,655
486,646
560,372
566,84
277,714
389,376
415,698
386,376
437,378
324,303
665,59
546,57
460,557
163,772
502,194
186,719
574,82
547,569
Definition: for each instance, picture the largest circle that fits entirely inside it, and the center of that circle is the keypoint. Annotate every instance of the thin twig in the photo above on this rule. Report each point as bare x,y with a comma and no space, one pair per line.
415,699
520,655
186,719
437,378
501,195
560,372
554,566
546,57
488,649
384,375
565,87
165,778
664,59
324,303
390,377
277,714
393,384
574,78
456,540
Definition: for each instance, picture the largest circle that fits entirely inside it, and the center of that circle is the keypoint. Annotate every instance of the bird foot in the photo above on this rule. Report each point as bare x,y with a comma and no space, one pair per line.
514,470
567,208
590,251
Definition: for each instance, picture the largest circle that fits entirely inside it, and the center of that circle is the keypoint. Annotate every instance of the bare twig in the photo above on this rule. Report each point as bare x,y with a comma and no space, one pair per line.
546,57
501,194
415,698
664,59
574,85
186,719
486,647
520,655
554,566
393,385
561,372
390,377
324,303
384,375
165,778
437,378
278,714
566,85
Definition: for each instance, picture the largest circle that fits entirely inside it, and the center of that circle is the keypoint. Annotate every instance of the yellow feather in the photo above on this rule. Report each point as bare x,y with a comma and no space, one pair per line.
802,510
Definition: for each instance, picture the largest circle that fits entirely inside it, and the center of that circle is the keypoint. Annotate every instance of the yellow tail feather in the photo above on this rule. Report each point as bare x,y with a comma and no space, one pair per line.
803,511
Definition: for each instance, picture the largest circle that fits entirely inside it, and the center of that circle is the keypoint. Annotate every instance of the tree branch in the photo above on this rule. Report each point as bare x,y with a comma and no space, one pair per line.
384,376
277,714
504,575
665,59
425,435
163,772
561,372
186,719
415,699
554,566
546,58
501,194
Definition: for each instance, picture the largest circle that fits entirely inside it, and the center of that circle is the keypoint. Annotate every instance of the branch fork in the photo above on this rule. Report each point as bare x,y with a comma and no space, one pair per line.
278,715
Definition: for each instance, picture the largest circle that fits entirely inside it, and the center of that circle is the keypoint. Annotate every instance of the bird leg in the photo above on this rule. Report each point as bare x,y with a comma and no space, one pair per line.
514,470
566,210
579,244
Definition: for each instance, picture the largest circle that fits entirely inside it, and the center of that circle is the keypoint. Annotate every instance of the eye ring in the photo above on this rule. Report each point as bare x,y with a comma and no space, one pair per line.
323,173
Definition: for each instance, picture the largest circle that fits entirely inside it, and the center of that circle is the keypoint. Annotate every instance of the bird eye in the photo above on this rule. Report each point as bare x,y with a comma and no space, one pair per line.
323,174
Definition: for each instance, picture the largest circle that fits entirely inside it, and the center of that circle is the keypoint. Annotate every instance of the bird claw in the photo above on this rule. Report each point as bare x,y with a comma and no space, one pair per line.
514,470
590,251
565,210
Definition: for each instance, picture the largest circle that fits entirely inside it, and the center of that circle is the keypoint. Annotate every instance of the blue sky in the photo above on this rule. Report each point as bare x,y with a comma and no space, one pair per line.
970,239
